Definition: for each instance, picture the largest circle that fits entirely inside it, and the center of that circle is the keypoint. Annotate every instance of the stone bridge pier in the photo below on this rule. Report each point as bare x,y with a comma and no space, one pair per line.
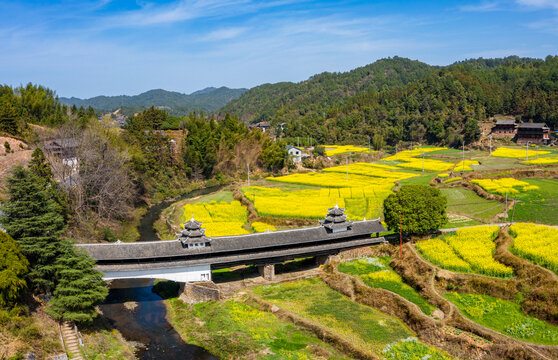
267,271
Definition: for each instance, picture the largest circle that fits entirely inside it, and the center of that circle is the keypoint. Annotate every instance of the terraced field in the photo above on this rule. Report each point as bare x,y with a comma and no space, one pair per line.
465,202
376,272
505,317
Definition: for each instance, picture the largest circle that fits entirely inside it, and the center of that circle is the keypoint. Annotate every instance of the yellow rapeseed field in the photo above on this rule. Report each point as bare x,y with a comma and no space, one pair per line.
472,249
341,180
313,203
517,153
504,185
410,154
536,243
369,169
428,165
258,226
450,180
465,165
219,218
542,161
413,160
342,149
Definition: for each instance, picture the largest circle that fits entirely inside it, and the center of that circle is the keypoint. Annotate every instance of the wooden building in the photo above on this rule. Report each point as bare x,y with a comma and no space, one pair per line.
62,148
534,133
504,128
262,125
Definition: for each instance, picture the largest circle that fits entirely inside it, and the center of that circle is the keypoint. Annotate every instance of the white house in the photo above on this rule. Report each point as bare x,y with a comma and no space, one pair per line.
295,153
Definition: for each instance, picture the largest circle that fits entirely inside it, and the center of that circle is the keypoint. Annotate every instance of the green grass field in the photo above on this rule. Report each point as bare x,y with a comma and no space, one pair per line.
539,206
313,300
224,195
376,273
505,317
234,329
419,180
465,202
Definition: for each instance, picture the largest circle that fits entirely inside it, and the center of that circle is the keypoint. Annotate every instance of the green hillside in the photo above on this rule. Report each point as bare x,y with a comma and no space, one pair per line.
320,93
396,99
175,103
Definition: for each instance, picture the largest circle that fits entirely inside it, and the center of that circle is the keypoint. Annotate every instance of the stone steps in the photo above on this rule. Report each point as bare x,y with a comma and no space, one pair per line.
71,341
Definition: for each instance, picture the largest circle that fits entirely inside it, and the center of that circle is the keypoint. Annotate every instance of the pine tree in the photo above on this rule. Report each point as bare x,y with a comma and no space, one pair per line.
34,220
41,168
39,165
80,288
13,268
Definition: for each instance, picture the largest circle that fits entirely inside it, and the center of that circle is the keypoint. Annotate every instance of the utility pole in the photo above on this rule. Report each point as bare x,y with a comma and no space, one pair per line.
463,162
490,144
400,238
347,175
411,149
506,209
422,160
527,151
248,165
369,144
514,203
395,151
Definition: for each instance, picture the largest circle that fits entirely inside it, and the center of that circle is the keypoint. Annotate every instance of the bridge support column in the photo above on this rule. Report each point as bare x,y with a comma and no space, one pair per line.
323,259
195,292
267,271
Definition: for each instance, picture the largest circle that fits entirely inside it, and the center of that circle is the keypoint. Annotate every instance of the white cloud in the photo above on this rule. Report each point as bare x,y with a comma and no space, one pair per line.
539,3
482,7
224,34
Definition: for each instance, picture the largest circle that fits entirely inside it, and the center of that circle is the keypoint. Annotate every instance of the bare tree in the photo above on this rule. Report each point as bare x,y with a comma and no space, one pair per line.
97,175
105,183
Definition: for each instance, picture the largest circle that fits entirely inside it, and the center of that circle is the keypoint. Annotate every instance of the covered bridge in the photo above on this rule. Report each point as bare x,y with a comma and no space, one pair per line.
193,255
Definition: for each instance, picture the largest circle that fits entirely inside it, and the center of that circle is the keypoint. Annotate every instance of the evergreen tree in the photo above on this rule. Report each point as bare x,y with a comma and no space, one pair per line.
422,208
41,168
8,116
34,220
39,165
80,288
13,268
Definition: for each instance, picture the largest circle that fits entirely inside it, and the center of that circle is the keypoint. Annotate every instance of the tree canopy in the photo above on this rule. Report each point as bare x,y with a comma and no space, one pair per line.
422,208
13,268
34,220
79,287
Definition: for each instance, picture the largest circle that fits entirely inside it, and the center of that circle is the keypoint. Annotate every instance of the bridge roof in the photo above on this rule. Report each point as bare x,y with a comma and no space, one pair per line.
173,248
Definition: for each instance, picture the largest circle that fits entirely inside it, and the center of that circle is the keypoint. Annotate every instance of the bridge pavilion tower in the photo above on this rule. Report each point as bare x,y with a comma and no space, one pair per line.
193,235
336,220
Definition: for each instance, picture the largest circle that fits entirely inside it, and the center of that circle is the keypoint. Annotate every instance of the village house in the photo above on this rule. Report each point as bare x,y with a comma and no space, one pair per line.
533,133
504,128
262,125
294,153
62,148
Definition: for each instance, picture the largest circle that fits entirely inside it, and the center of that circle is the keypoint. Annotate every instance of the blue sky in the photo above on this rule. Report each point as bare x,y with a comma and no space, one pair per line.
93,47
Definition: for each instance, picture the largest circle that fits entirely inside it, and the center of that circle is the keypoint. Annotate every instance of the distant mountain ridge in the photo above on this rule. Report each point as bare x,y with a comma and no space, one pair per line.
208,100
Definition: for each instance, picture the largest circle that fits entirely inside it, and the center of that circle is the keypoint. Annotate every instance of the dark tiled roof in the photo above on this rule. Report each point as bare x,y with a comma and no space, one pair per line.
265,256
174,248
505,122
533,126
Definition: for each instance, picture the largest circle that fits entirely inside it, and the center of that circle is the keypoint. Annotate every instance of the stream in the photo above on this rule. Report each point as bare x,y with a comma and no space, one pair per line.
147,323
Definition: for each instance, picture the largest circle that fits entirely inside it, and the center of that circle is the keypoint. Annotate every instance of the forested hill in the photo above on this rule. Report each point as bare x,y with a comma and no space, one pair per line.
322,92
394,100
175,103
